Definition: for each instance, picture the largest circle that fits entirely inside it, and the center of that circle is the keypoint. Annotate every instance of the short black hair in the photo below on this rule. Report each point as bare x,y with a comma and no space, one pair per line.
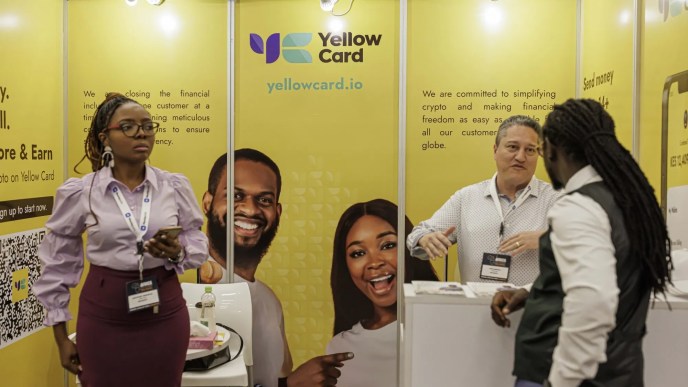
260,157
216,173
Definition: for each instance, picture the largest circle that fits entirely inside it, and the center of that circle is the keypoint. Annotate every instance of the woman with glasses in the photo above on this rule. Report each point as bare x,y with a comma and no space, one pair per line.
133,325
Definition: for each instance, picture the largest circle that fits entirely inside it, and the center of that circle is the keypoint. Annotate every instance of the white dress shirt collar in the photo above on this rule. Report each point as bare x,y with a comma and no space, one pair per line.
585,175
534,185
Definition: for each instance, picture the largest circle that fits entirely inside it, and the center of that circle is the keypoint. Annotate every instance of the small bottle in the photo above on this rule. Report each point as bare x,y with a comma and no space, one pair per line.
208,309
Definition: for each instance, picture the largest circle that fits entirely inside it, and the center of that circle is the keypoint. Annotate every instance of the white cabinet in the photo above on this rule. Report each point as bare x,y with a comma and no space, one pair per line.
452,341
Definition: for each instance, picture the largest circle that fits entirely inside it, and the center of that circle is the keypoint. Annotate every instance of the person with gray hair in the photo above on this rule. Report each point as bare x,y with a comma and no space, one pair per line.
497,219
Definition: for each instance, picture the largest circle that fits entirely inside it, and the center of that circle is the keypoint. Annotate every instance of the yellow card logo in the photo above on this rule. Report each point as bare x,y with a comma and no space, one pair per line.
288,47
20,285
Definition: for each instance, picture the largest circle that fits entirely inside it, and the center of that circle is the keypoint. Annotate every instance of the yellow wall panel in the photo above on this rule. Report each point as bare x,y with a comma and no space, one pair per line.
172,59
31,121
607,61
335,145
491,60
666,23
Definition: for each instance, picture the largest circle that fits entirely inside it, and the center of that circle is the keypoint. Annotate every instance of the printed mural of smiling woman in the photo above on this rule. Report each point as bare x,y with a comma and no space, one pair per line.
364,291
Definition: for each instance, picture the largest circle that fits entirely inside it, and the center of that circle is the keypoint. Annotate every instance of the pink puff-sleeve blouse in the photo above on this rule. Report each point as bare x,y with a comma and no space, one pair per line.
110,242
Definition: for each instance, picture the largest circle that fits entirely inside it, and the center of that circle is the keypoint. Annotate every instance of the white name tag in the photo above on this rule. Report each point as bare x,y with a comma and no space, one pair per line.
142,294
495,267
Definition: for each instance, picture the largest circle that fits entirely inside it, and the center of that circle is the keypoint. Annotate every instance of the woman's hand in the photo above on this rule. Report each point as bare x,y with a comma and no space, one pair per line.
319,371
69,357
163,246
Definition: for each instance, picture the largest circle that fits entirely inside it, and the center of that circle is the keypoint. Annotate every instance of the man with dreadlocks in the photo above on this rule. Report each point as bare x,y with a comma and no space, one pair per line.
605,251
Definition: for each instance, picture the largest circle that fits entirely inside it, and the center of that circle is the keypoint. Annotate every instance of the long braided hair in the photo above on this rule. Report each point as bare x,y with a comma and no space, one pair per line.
93,147
585,131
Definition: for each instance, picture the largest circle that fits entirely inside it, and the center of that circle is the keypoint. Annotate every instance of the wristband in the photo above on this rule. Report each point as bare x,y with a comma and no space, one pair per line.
180,257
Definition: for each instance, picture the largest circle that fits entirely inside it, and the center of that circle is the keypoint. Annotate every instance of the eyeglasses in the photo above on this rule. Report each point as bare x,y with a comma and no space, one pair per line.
529,150
131,129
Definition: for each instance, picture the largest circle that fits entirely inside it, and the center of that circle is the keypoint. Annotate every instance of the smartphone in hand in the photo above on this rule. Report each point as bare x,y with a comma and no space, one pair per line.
170,232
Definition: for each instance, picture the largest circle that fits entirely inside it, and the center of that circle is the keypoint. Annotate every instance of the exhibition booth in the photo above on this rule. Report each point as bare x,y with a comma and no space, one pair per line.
354,101
452,340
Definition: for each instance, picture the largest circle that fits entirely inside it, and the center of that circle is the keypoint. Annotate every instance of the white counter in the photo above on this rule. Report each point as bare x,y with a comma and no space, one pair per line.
452,341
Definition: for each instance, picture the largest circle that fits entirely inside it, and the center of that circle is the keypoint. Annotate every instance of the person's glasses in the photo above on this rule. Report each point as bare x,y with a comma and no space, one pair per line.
131,129
529,150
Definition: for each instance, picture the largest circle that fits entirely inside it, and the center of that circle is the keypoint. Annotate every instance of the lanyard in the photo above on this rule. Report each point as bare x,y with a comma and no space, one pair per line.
139,231
495,198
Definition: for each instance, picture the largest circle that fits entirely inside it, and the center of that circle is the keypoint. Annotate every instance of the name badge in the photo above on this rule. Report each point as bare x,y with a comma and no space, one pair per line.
143,294
495,267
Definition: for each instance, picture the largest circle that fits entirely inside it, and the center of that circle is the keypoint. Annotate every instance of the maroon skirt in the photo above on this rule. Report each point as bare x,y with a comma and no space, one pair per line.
142,348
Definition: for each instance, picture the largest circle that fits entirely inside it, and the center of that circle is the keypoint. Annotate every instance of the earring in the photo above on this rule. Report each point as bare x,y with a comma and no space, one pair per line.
107,157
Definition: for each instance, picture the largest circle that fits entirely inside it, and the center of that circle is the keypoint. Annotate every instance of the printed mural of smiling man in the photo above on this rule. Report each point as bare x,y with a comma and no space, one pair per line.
257,212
